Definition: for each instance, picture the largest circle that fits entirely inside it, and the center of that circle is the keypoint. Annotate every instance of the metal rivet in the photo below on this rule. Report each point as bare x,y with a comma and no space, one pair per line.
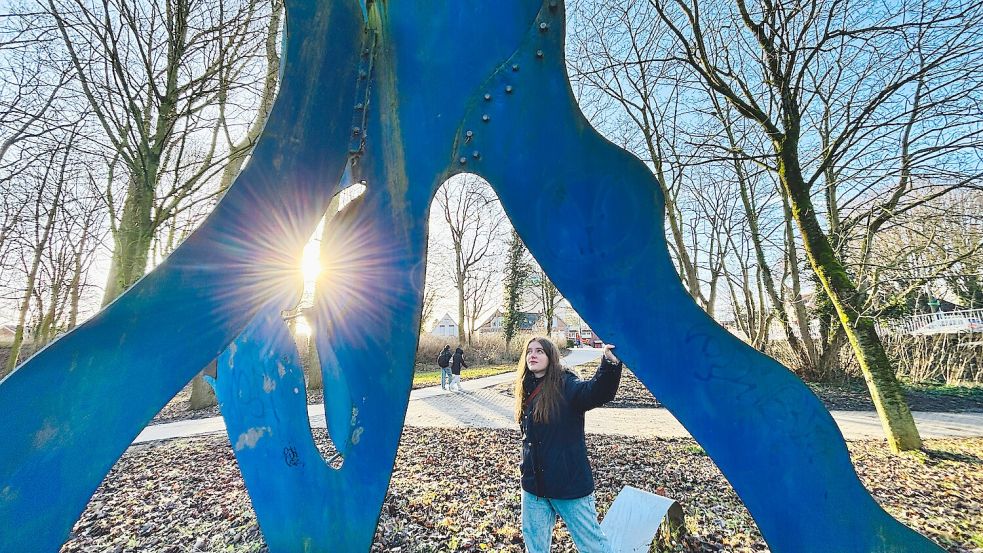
356,131
553,4
515,67
463,160
476,154
468,136
359,106
508,89
486,118
539,53
487,97
543,27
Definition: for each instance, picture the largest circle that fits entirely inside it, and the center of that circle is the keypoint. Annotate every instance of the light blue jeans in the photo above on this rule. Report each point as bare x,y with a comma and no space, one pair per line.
539,516
445,377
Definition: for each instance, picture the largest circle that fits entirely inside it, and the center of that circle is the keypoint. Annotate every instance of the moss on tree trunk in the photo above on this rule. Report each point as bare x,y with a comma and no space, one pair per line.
885,390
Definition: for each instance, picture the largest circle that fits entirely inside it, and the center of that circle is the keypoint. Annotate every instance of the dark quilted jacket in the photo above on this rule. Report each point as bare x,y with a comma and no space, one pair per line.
554,455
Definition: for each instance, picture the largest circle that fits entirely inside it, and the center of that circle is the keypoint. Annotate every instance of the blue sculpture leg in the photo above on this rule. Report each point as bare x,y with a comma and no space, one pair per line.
368,310
71,410
770,436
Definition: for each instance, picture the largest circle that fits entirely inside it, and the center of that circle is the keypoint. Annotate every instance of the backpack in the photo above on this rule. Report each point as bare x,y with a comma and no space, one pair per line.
444,359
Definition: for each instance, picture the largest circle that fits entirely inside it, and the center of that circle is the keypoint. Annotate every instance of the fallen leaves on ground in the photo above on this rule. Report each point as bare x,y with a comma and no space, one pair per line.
457,490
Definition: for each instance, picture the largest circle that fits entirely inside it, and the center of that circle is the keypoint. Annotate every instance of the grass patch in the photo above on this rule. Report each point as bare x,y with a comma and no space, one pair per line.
432,378
968,390
695,450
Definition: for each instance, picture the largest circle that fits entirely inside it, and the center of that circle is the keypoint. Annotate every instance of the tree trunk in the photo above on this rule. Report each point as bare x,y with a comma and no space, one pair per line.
39,250
46,330
461,337
801,316
885,390
132,239
202,394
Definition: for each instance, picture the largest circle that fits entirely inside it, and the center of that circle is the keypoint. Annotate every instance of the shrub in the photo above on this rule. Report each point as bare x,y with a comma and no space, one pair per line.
485,349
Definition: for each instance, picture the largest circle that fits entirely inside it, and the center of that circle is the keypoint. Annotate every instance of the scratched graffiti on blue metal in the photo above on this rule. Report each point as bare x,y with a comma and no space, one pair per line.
408,94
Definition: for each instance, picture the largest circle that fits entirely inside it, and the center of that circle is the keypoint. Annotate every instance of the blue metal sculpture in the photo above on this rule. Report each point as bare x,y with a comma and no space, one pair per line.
407,94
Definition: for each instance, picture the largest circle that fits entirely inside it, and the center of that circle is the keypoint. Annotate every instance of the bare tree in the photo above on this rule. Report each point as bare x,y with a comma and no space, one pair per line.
431,295
49,182
31,94
547,296
474,218
644,107
159,77
930,251
889,80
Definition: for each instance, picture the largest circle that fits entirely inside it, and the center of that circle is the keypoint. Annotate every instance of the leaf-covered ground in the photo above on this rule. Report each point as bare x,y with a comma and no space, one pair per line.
456,490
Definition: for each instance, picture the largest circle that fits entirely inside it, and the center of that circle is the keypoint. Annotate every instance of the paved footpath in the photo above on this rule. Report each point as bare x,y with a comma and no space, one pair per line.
481,406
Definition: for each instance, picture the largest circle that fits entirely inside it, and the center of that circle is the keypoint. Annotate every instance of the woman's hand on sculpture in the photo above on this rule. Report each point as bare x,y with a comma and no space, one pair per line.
608,354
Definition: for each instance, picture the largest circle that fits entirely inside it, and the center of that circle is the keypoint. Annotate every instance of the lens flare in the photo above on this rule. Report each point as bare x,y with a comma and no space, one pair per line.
310,264
302,327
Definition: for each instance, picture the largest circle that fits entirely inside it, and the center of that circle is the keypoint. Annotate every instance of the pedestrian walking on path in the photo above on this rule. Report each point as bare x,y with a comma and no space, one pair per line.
444,364
550,403
456,363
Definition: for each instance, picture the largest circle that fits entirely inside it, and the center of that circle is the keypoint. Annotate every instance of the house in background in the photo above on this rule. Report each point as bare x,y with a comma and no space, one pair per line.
445,327
7,334
577,330
528,323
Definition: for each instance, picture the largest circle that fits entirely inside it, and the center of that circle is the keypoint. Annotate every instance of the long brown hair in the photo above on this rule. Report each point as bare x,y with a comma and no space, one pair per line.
550,396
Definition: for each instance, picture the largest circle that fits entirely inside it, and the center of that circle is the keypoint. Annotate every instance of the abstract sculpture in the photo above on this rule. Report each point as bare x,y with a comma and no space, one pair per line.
406,94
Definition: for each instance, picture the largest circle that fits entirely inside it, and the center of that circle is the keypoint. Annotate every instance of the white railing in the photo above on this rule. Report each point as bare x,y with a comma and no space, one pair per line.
914,322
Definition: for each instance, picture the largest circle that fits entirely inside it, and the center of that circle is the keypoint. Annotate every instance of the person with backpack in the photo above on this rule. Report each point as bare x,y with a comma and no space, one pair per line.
550,403
444,364
456,363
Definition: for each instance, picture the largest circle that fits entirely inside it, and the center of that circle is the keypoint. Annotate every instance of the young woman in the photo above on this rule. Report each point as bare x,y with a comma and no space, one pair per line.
457,361
550,403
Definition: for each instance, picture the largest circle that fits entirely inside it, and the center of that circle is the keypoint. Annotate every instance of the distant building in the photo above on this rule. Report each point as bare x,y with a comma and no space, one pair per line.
7,333
577,330
445,327
528,323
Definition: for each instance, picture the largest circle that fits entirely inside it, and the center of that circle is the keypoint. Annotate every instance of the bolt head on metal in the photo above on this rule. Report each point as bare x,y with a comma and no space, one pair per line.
553,4
486,118
469,134
362,74
359,106
544,26
515,67
539,53
476,154
508,89
463,160
487,97
356,130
